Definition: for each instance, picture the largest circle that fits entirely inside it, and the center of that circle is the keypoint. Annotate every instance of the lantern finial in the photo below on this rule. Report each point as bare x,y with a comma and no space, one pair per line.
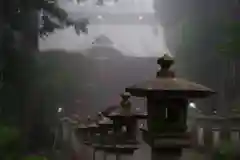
125,103
166,61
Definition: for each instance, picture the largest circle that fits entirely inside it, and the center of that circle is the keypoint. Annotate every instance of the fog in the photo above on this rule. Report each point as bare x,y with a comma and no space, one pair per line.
130,24
121,49
55,72
120,42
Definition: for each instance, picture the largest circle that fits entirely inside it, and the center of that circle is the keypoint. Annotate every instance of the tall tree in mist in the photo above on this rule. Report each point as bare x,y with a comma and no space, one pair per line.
20,29
198,33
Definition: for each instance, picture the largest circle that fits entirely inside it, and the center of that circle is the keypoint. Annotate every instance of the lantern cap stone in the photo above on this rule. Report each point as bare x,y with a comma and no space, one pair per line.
125,95
125,109
166,61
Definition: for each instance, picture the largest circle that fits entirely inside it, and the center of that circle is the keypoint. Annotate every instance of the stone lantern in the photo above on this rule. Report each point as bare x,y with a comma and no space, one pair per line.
105,127
87,134
92,130
82,132
167,103
103,141
125,128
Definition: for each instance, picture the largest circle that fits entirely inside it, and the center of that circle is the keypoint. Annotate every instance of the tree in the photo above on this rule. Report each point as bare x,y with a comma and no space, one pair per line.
13,11
9,143
208,36
231,39
19,42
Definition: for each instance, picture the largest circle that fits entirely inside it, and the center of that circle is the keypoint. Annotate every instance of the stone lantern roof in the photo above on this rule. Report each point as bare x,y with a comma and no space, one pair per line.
82,126
104,120
167,84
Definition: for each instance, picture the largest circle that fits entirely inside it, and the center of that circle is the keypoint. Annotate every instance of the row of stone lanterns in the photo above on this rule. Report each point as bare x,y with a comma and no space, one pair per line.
166,129
116,133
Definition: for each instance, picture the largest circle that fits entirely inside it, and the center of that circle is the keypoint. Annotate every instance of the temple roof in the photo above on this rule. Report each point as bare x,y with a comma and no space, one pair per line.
103,48
103,40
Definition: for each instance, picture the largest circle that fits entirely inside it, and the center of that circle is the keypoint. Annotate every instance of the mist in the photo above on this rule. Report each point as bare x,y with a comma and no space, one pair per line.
63,61
139,38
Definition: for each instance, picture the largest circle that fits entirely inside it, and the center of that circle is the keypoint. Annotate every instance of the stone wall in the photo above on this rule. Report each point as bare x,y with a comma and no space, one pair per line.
209,132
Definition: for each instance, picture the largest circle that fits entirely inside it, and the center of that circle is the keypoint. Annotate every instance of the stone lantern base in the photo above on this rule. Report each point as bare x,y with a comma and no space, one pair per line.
167,140
166,146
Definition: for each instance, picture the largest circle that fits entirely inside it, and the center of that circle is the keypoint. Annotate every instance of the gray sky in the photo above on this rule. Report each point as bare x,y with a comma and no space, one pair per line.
130,24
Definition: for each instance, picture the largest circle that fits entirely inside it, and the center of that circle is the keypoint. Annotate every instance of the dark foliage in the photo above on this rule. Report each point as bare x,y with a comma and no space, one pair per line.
23,102
13,13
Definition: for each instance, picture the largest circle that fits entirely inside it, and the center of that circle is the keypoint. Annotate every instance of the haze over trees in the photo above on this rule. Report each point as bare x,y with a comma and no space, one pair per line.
204,37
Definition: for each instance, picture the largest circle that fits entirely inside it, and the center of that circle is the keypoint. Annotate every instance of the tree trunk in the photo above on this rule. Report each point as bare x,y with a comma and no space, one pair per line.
30,28
29,47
